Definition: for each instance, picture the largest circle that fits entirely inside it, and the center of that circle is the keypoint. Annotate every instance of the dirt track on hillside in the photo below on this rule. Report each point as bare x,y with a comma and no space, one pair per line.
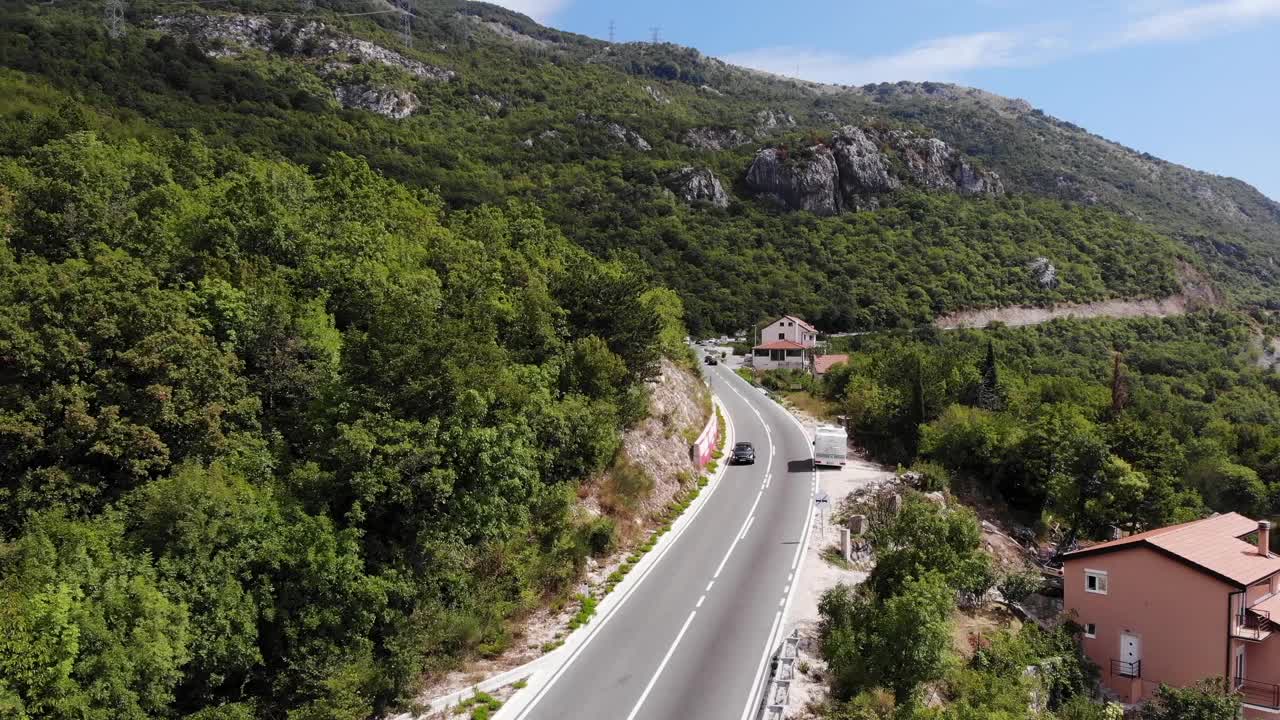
1020,315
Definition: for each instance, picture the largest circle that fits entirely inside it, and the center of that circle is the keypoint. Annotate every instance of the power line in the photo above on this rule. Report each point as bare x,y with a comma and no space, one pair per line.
406,21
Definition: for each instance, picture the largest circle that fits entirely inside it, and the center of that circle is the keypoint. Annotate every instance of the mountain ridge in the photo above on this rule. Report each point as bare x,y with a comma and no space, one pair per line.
593,131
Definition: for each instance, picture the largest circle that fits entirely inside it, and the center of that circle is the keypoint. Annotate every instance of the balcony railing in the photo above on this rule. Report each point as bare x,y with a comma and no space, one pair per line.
1254,692
1252,625
1127,669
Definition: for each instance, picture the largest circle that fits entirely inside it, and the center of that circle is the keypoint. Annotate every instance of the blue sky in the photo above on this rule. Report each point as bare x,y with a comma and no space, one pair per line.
1193,81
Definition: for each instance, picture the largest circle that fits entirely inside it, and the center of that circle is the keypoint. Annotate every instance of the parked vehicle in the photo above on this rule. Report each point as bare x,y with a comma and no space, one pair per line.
830,447
711,360
743,454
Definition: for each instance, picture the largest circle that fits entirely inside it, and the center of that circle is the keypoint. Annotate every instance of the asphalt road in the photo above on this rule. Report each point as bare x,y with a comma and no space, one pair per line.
693,639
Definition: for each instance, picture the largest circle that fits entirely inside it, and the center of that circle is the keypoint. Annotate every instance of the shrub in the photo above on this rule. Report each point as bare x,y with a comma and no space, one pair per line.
1018,586
600,536
930,476
628,483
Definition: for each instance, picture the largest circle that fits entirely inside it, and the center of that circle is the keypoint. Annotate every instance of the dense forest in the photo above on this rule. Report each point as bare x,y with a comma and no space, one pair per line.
519,119
1085,423
297,395
274,442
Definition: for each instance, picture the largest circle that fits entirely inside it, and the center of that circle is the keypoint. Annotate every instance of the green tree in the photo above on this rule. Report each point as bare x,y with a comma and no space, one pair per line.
896,643
1204,701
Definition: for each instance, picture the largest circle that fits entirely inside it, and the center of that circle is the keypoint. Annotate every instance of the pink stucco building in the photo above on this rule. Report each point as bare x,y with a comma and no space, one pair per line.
1180,604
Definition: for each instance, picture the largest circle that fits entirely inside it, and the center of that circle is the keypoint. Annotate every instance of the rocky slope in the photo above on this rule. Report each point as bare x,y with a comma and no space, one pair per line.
857,166
658,155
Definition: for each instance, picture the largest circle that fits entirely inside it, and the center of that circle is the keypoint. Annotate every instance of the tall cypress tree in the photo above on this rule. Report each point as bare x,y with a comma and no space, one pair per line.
989,392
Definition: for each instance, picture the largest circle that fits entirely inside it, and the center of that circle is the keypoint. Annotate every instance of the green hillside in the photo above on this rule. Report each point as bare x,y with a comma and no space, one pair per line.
564,121
310,340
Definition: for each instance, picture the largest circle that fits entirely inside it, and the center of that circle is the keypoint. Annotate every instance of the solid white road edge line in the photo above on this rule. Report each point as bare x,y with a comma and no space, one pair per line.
517,707
661,666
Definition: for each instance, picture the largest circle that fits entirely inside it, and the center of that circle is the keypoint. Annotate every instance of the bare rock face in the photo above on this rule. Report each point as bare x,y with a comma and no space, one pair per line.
809,182
656,95
863,168
860,165
698,185
710,138
767,120
230,35
618,132
1043,273
397,104
934,165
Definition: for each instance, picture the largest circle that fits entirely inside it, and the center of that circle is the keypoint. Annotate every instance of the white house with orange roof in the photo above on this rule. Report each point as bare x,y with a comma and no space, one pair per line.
785,343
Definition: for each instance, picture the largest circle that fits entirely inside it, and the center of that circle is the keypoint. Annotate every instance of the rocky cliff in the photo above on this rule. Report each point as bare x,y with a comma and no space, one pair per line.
697,185
857,165
335,57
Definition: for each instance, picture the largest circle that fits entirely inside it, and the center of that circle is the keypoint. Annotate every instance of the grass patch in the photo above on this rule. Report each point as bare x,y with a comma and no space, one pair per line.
811,404
586,609
833,555
482,705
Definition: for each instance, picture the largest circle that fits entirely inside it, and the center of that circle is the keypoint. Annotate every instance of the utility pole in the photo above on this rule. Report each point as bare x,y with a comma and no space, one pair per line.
656,32
113,16
406,21
611,27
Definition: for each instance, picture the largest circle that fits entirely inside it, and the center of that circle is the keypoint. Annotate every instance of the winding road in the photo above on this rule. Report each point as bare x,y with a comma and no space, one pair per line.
694,638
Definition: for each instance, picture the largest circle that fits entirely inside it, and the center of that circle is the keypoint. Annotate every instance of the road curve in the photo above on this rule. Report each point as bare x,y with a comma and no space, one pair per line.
693,639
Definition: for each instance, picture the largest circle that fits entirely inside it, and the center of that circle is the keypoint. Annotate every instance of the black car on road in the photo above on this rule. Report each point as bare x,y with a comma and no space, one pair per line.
743,454
711,360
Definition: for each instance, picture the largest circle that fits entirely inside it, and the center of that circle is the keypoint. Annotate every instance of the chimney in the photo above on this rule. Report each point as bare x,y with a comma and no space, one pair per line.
1264,537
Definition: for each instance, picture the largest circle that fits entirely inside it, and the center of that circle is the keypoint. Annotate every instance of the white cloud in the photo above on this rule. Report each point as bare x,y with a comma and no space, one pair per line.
1136,22
540,10
941,59
1198,20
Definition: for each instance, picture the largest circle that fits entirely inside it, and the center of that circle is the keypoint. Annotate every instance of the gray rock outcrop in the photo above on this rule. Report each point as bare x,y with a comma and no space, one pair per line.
809,182
864,170
767,120
627,135
711,138
698,185
657,95
397,104
859,165
1043,273
934,165
616,131
230,35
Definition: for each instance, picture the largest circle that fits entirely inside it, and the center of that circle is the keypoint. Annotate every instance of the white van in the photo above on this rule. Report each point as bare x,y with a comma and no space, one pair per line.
830,446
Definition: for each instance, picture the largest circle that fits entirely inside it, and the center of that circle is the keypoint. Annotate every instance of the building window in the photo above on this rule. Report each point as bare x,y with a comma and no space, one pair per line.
1090,630
782,336
1095,581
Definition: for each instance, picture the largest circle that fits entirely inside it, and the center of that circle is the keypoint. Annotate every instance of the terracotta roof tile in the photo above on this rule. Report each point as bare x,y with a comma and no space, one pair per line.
1212,544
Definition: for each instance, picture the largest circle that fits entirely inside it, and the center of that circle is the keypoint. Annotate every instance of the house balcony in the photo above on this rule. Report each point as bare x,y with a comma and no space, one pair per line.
1258,693
1253,624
